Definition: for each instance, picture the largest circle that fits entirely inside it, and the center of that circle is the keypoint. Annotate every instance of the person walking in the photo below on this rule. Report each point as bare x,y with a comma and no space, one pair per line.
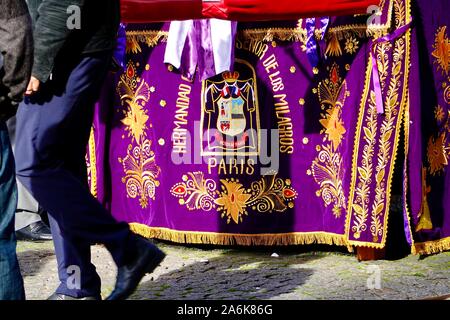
30,219
16,47
74,43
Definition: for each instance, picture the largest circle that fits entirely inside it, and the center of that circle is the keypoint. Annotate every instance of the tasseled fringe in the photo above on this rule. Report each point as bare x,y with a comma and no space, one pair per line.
240,239
150,37
267,35
431,247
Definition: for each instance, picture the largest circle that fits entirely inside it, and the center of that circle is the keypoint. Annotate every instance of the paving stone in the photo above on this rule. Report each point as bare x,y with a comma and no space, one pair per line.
232,274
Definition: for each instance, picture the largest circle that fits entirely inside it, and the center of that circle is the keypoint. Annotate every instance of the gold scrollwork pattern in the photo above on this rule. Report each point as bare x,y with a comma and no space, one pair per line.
327,166
139,165
231,198
365,170
387,129
438,148
377,138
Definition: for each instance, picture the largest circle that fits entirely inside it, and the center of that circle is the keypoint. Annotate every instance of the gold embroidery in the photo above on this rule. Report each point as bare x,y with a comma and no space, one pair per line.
442,50
297,34
439,114
363,30
333,47
135,120
233,200
361,202
327,167
141,171
382,50
387,129
196,192
397,102
424,215
92,164
447,93
266,195
217,123
437,153
351,45
334,126
149,37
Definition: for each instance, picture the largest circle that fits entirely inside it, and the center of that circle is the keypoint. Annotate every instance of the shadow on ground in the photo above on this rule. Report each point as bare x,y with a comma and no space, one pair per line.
233,275
32,261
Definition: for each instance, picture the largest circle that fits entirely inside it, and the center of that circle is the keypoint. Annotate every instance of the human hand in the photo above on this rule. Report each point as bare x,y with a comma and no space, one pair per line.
33,86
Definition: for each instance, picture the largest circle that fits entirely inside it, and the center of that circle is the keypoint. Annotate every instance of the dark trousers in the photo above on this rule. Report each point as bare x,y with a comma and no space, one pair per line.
52,133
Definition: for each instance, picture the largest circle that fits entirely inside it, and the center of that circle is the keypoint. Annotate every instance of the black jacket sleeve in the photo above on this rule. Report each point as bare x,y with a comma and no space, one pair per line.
51,33
16,45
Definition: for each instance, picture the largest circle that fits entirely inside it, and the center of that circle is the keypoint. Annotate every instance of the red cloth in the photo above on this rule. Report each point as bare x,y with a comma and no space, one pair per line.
259,10
142,11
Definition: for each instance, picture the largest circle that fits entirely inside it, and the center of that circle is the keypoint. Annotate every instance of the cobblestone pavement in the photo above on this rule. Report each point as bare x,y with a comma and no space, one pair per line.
199,272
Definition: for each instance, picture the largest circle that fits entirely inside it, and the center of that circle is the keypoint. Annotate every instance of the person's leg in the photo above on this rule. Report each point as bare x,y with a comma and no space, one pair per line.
45,128
44,132
11,282
77,275
28,221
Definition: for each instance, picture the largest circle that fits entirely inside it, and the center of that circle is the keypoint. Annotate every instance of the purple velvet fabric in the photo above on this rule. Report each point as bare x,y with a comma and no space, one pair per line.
191,157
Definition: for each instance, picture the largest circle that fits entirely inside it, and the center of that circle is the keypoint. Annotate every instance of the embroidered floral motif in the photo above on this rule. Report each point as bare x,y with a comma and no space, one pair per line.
196,192
334,126
327,167
442,50
351,45
141,173
139,165
437,153
360,205
233,200
136,120
387,130
377,137
439,114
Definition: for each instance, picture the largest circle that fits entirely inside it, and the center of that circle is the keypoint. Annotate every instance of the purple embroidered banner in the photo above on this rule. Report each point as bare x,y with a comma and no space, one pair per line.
428,146
275,152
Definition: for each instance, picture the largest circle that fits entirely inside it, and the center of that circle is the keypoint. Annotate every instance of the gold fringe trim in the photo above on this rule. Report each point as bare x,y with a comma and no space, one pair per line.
149,37
431,247
362,30
265,239
271,34
93,163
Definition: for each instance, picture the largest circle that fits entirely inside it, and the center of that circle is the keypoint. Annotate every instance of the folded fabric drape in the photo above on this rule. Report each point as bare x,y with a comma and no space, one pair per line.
142,11
205,46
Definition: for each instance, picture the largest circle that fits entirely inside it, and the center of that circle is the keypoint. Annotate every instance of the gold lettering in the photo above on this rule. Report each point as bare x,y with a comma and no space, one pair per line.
250,169
212,163
287,149
179,134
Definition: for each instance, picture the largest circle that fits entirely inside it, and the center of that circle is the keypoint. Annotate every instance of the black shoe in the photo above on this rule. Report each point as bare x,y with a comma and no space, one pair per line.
148,257
59,296
36,231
